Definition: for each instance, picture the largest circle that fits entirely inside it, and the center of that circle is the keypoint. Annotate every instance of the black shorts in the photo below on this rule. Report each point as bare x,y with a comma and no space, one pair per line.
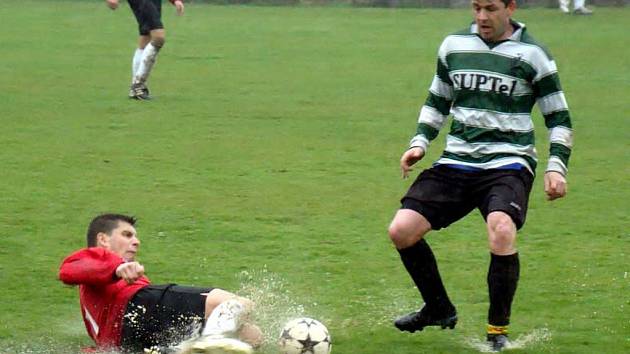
148,14
444,194
162,315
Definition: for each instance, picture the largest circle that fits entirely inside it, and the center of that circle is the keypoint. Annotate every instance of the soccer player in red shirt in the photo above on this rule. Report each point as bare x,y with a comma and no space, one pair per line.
123,310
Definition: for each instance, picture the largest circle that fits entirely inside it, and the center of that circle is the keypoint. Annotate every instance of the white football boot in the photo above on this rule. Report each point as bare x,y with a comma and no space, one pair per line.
224,322
226,319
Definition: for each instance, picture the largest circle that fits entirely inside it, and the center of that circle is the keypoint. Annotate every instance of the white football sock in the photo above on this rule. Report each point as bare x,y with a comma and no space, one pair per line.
225,319
146,63
578,4
135,63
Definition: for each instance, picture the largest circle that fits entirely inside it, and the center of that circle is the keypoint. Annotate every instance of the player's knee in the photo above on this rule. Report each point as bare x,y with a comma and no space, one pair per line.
401,237
502,235
215,298
504,229
158,41
501,223
395,234
501,245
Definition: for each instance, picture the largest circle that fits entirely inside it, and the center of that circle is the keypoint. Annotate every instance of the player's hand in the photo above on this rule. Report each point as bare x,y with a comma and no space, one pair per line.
409,158
130,271
555,185
112,4
179,6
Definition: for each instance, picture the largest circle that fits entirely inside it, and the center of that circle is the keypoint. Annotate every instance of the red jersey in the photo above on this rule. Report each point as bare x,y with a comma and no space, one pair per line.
103,295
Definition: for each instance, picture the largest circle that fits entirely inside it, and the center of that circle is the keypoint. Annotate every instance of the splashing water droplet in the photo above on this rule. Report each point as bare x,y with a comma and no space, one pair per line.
274,304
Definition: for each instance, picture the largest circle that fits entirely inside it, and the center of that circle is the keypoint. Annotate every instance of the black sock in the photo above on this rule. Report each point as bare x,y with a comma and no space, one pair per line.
502,280
422,266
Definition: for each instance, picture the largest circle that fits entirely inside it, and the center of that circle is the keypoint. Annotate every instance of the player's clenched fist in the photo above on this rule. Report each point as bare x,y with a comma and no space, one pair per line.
409,158
555,185
130,271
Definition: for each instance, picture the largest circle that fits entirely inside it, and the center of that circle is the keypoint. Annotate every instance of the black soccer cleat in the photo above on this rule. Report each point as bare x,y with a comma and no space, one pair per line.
498,341
139,92
416,321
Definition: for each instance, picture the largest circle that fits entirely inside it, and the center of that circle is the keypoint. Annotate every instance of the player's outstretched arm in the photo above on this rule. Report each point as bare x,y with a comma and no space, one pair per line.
112,4
555,185
409,158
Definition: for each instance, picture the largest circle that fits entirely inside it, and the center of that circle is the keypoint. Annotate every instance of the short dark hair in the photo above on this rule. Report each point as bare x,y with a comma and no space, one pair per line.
106,223
507,2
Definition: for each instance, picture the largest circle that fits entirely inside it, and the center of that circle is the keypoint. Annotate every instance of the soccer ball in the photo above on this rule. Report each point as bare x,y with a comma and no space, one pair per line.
305,336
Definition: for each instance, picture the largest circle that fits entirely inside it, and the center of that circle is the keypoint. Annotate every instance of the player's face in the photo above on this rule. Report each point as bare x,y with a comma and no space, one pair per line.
123,241
493,19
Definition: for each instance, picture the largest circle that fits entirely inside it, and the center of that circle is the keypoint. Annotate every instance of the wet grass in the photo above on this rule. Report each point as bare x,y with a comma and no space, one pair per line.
271,149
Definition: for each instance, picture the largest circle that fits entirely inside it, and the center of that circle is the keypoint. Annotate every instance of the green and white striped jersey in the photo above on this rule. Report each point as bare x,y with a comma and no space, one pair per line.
490,89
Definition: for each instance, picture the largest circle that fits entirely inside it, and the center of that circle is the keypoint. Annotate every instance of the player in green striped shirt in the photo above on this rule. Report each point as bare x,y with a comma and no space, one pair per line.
488,78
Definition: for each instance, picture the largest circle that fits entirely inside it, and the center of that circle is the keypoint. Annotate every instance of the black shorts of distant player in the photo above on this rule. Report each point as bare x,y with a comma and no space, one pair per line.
148,14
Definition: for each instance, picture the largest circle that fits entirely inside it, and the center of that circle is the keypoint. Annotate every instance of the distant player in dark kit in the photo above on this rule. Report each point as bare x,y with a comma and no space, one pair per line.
152,37
489,76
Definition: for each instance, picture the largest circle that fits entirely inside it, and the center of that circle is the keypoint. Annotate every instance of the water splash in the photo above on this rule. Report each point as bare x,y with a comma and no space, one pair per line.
274,303
528,340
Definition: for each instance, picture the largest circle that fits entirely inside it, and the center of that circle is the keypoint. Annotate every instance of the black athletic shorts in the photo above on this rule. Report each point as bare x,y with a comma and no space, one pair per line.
445,194
162,315
148,14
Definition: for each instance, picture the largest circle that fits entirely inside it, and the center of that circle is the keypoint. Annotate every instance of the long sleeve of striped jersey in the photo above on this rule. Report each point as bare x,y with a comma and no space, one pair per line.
435,111
553,106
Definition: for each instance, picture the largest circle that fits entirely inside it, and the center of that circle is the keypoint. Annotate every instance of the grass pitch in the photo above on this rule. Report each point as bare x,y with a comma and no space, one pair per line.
268,165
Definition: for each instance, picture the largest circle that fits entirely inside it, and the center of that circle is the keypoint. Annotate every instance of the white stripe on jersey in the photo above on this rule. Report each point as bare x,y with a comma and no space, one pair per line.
555,164
561,135
463,43
442,89
531,54
477,150
90,319
552,103
432,117
487,119
419,141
